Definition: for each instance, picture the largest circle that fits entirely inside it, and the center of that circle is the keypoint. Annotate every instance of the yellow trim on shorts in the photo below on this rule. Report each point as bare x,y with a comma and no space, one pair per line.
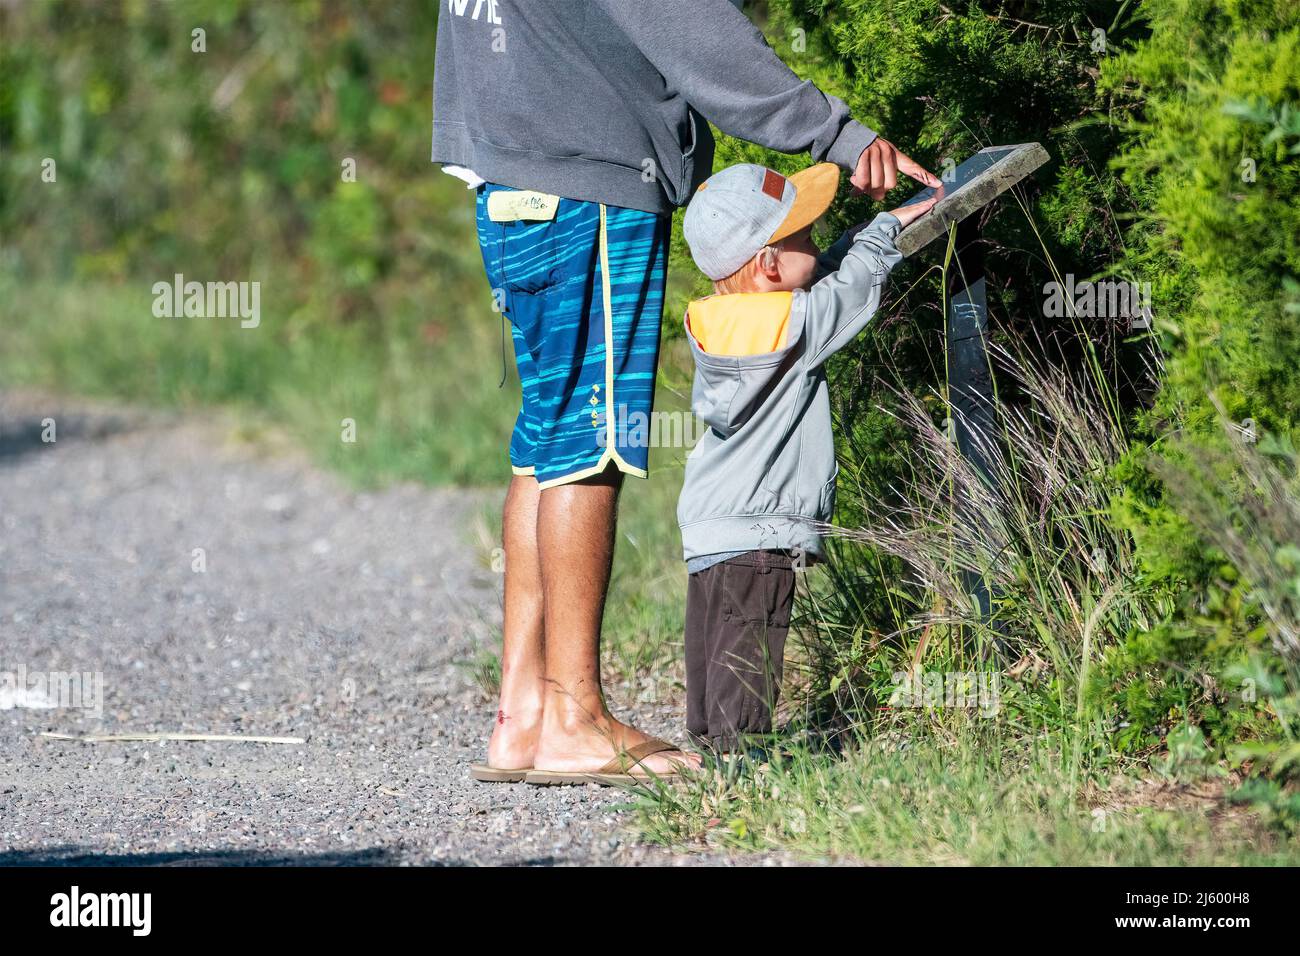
611,451
596,469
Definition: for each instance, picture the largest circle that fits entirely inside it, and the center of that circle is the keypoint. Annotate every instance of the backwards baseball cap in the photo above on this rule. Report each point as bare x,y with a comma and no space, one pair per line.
739,210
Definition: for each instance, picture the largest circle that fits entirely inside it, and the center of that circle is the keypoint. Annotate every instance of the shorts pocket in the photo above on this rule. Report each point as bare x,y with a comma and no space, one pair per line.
521,256
757,597
532,258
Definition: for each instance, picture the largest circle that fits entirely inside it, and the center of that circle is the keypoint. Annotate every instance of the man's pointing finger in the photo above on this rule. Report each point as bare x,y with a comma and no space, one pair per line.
914,169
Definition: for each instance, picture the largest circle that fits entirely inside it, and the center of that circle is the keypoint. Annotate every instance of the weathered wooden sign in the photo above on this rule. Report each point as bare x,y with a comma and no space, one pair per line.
969,188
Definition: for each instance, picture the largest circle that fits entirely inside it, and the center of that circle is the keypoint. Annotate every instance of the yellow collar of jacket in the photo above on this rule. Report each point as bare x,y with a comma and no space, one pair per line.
742,323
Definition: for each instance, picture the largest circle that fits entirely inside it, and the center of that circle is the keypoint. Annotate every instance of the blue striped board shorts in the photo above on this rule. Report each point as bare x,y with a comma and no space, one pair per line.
582,284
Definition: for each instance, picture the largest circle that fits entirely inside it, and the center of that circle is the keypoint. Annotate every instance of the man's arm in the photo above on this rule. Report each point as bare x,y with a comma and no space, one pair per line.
841,305
710,53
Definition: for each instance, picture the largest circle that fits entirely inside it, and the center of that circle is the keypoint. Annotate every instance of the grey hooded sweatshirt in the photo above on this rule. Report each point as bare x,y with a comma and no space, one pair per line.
606,100
763,476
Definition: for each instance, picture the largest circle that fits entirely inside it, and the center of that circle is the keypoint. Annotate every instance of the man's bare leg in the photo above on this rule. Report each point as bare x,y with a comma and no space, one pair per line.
519,713
575,538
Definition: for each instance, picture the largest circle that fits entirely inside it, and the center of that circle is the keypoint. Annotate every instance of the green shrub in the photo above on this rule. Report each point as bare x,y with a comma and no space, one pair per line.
1209,104
1212,147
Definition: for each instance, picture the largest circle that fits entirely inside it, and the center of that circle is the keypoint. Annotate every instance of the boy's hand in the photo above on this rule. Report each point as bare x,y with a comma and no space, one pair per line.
879,166
905,214
909,214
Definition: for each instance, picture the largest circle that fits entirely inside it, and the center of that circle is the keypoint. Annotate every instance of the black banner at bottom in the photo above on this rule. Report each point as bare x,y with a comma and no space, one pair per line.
338,905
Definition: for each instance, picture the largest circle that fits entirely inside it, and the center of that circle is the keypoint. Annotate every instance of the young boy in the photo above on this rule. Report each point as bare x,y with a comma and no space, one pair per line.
763,476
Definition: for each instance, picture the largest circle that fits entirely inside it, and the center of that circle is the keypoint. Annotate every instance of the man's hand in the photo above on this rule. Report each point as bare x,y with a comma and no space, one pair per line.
879,166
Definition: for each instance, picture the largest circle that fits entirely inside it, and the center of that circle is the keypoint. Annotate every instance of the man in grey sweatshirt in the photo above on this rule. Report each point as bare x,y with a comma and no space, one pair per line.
581,124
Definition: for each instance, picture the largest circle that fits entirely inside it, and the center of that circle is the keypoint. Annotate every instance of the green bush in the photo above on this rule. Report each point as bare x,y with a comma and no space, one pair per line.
942,82
1212,146
1209,105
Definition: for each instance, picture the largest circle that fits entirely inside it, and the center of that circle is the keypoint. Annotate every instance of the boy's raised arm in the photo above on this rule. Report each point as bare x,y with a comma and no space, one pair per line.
841,305
710,52
830,260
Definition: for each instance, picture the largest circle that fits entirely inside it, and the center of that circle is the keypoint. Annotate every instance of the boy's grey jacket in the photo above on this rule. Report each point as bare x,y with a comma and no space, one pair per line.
763,475
601,100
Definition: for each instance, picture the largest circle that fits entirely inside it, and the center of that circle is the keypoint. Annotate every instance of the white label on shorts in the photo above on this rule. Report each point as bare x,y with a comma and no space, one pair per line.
512,205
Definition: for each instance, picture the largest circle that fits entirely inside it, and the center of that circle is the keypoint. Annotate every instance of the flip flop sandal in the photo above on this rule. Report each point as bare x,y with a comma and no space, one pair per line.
614,773
485,774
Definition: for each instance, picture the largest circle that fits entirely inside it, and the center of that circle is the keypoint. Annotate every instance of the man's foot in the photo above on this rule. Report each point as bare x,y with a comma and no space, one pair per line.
513,744
586,746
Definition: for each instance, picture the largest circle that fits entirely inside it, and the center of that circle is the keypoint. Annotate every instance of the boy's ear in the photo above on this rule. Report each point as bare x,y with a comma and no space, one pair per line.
768,264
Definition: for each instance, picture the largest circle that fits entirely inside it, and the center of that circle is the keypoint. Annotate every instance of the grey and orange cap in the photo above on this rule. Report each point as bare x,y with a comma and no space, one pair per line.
739,210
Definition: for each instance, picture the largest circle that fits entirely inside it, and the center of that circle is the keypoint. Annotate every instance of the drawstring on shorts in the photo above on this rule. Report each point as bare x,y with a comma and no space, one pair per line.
501,258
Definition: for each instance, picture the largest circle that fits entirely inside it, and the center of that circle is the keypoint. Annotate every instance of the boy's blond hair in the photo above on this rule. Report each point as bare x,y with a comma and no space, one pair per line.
742,280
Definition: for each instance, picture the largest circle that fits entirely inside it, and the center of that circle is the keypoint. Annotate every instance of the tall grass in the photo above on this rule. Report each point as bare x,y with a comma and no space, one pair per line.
1026,777
1035,530
1259,531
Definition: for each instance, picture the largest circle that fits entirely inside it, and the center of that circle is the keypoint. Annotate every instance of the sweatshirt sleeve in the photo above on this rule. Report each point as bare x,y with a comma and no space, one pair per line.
709,52
840,305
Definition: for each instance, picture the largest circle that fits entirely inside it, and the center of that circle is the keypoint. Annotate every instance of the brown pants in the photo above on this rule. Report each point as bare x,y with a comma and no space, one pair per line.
737,619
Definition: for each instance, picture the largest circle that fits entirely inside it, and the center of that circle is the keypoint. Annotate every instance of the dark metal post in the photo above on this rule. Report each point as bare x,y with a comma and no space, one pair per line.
970,386
970,383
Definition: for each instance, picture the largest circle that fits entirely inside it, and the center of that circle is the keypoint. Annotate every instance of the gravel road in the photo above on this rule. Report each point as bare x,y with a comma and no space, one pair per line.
312,611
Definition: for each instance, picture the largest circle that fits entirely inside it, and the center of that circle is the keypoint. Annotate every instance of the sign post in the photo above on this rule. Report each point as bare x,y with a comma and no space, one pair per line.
967,190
